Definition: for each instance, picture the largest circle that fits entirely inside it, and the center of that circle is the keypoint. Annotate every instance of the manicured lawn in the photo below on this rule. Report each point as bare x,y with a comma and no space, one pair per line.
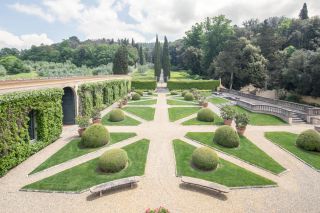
86,175
260,119
227,173
74,149
195,121
287,141
128,121
217,100
146,102
29,75
177,102
247,151
148,75
146,113
181,75
176,113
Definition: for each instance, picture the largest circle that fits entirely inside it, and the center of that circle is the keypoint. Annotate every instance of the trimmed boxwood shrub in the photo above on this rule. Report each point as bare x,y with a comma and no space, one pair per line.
116,115
205,158
227,137
198,84
136,96
173,93
183,93
205,115
309,140
189,96
144,84
140,92
113,160
95,135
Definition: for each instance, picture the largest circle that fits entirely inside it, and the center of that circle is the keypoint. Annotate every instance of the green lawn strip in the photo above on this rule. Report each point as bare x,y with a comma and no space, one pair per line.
146,102
146,113
195,121
86,175
74,149
217,100
128,121
260,119
287,141
177,102
176,113
227,173
247,151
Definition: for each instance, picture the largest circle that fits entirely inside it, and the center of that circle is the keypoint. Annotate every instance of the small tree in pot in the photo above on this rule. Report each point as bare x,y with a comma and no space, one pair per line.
83,122
227,113
242,120
96,115
203,101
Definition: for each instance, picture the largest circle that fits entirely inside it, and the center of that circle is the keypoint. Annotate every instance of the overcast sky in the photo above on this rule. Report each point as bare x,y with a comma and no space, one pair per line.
24,23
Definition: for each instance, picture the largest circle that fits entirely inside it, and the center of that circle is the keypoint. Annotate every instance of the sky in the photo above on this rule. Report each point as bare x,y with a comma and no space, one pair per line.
34,22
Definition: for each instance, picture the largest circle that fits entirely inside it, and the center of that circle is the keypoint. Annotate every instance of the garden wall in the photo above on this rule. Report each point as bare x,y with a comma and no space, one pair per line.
15,144
198,84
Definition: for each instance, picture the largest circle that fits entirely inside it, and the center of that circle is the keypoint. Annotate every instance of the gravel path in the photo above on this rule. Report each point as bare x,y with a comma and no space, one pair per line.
298,189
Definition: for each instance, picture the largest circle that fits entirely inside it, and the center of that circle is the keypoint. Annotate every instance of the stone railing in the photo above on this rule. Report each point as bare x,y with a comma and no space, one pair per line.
284,114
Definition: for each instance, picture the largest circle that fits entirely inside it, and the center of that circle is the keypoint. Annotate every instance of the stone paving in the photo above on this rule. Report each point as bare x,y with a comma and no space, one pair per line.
298,189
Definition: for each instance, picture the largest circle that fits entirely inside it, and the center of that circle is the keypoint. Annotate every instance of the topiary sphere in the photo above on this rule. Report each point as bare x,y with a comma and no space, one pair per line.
95,135
205,115
136,96
116,115
309,140
113,160
205,158
173,93
188,96
227,137
184,93
139,92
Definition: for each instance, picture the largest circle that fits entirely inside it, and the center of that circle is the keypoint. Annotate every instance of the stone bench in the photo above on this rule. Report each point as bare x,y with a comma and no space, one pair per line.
205,184
113,184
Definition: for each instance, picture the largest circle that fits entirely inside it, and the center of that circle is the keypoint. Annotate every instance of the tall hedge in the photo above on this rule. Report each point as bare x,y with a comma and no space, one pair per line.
144,84
101,93
198,84
15,144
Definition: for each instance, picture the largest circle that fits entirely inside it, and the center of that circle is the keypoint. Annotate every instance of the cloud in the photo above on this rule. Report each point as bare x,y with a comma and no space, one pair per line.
32,10
8,39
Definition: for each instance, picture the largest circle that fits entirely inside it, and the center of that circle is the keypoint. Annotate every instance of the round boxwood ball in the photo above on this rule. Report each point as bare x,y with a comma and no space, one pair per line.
309,140
184,93
116,115
188,96
113,160
136,96
95,135
139,92
205,158
227,137
205,115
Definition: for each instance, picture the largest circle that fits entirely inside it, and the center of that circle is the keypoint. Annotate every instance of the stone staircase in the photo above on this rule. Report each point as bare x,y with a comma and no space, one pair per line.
296,118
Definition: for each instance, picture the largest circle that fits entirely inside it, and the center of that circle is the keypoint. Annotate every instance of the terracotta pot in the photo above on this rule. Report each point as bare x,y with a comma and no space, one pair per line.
241,130
80,131
205,104
96,120
227,122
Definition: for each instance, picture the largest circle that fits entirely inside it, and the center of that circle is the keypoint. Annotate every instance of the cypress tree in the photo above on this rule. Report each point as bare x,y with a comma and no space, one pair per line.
142,59
157,59
120,61
166,59
304,12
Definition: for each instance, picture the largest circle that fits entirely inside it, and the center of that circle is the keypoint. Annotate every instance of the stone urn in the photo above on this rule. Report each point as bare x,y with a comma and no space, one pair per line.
227,122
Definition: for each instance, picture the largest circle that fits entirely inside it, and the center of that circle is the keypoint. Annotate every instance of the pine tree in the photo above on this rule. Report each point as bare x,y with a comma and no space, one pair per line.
120,61
166,59
157,59
304,12
142,59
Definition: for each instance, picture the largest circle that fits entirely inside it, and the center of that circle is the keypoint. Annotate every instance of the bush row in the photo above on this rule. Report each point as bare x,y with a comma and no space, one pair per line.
198,84
144,84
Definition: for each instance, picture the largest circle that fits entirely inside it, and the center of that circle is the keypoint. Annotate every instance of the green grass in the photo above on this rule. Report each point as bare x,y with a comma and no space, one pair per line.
146,102
86,175
287,141
227,173
217,100
29,75
177,102
195,121
181,75
128,121
176,113
148,75
74,149
146,113
260,119
247,151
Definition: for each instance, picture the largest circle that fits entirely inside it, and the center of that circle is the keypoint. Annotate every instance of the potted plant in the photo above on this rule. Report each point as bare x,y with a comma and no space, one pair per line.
124,101
242,120
203,101
157,210
83,122
96,115
227,113
120,104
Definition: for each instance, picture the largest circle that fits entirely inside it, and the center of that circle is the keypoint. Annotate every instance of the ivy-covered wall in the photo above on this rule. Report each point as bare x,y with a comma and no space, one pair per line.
15,144
101,94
